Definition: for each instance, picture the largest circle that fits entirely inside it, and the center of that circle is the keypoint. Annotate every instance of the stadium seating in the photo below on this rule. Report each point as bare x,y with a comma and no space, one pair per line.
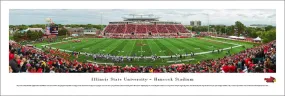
171,28
120,29
111,28
152,29
141,29
162,29
131,28
181,28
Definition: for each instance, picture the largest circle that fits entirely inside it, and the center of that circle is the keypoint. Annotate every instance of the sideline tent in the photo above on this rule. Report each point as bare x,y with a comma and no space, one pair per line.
74,35
233,37
257,39
242,38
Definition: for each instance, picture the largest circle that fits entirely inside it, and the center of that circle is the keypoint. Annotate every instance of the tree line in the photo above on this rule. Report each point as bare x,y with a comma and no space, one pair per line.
29,35
34,35
87,26
267,33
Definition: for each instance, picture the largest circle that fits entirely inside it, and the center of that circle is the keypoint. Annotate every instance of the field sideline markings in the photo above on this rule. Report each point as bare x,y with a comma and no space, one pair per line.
161,51
71,45
122,41
125,48
60,42
159,44
130,53
195,45
100,45
191,45
150,42
112,45
180,45
81,46
95,42
168,46
237,45
207,43
146,47
187,47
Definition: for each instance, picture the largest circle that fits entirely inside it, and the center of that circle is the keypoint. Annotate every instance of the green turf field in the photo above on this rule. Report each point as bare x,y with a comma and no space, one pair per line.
148,47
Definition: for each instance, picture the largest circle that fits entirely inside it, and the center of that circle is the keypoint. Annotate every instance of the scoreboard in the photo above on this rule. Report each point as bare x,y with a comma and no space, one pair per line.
54,30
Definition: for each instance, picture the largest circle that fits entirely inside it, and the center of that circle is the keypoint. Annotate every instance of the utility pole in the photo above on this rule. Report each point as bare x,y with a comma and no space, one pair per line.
226,29
101,24
101,19
66,32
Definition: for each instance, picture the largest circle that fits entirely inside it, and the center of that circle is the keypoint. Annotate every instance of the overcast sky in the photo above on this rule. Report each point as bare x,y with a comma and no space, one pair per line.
93,16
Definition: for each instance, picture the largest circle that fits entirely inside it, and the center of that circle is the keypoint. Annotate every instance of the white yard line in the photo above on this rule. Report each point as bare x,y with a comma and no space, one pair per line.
149,47
130,53
117,46
200,53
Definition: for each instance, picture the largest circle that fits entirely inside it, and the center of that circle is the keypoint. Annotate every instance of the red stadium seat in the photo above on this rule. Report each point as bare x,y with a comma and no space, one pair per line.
152,28
181,28
131,28
171,28
162,29
137,30
111,29
120,29
141,29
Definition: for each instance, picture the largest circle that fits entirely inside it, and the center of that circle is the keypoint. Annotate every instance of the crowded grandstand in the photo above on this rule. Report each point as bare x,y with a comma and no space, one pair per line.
144,26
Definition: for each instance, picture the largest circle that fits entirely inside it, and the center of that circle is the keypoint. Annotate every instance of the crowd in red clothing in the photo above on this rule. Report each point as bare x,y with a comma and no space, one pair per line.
141,28
260,59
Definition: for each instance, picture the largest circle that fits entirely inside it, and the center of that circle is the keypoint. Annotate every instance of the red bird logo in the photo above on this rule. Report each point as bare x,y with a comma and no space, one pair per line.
270,80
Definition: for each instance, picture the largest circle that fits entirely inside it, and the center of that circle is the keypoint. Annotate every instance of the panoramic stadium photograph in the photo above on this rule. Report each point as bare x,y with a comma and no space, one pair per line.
142,41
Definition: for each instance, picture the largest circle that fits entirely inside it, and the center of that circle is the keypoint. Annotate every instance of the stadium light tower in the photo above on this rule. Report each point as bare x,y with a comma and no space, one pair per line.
270,21
225,28
208,16
208,22
47,26
150,15
101,18
101,21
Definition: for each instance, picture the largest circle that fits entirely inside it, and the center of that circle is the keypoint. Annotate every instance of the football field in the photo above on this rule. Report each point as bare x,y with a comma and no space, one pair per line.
167,47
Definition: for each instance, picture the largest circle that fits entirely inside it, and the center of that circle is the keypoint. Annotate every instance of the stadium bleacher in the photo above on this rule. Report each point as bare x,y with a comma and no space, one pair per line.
145,27
130,28
168,30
